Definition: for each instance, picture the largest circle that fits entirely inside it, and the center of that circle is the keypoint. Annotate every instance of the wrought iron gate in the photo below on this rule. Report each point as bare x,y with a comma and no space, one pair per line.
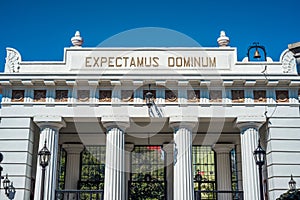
148,174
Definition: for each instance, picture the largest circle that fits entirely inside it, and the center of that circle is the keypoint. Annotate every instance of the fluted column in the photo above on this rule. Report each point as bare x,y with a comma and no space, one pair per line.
49,126
183,174
114,183
72,165
223,170
249,139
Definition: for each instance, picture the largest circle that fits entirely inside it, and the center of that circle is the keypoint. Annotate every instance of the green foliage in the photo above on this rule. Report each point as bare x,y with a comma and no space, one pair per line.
148,174
290,195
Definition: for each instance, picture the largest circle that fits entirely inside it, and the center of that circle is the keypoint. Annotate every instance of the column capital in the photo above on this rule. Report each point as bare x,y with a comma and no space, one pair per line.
189,122
121,122
73,148
129,147
55,122
223,148
245,122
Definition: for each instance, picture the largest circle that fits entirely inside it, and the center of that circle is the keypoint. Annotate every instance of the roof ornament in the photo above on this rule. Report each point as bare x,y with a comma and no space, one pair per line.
13,59
77,40
223,40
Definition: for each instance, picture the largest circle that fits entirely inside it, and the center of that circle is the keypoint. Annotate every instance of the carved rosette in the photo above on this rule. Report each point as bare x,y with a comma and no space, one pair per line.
237,96
260,96
61,95
171,96
215,96
39,96
83,95
193,95
282,96
13,59
127,95
17,96
105,96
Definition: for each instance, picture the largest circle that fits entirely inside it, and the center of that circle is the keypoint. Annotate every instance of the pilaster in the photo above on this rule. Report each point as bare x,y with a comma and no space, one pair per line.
223,170
128,149
169,151
72,165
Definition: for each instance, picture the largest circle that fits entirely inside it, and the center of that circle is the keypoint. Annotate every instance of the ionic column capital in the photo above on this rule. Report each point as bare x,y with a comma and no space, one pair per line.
53,122
189,122
223,148
245,122
121,122
73,148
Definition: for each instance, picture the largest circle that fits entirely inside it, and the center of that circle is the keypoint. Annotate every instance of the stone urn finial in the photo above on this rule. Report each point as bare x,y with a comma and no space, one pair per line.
223,40
77,40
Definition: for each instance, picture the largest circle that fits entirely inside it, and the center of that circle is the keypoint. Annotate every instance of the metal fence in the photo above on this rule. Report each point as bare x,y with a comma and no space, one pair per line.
218,195
79,194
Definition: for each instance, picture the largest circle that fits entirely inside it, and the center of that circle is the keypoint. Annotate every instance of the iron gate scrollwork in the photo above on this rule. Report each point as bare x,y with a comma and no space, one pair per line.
148,177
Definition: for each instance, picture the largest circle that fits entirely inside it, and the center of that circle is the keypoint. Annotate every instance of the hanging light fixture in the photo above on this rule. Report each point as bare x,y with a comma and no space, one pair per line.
259,155
149,98
6,183
44,155
292,183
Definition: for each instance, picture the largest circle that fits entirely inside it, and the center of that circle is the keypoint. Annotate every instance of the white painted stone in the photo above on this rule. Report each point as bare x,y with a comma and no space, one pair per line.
115,157
49,126
249,140
223,169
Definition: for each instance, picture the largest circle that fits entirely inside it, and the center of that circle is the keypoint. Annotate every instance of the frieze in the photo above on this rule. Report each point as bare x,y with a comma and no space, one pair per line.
215,95
61,95
193,95
260,96
282,96
127,95
17,96
171,96
105,96
237,96
39,95
83,95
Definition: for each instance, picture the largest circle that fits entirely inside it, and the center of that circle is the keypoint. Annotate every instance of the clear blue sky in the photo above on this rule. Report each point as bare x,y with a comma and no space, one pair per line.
40,30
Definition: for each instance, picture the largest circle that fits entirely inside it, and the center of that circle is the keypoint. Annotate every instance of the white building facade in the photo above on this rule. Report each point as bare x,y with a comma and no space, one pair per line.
208,114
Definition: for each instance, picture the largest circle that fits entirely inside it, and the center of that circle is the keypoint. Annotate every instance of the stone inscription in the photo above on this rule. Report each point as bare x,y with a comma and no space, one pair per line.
201,62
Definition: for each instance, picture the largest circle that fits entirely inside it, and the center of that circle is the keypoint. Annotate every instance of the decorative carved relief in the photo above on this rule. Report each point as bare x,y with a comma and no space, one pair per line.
237,96
215,96
193,95
152,91
260,96
282,96
39,96
127,95
171,96
83,95
288,62
13,59
17,96
105,96
61,95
